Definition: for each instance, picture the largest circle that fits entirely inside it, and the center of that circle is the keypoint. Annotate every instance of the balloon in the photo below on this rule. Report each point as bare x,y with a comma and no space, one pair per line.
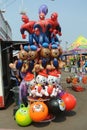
70,101
38,111
27,26
56,105
19,64
22,116
43,9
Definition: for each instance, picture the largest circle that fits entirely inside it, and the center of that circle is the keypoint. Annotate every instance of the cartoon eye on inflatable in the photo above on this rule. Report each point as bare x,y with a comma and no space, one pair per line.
61,104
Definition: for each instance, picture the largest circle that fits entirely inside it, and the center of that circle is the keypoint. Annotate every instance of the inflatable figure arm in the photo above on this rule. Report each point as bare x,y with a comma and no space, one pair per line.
22,30
58,28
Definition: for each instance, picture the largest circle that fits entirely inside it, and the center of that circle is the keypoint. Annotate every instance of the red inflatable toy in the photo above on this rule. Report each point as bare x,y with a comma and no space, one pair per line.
53,21
26,26
70,101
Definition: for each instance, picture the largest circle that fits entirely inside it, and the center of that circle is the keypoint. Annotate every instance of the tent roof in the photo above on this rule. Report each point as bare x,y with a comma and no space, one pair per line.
79,44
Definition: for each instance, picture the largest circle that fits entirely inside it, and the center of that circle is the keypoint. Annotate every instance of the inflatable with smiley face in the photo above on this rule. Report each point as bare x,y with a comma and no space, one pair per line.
38,111
22,116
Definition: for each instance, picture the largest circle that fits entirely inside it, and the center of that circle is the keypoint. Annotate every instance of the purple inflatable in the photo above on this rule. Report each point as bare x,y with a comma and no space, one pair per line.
43,9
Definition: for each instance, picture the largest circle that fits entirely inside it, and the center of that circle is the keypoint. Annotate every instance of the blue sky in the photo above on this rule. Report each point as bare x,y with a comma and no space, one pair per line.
72,16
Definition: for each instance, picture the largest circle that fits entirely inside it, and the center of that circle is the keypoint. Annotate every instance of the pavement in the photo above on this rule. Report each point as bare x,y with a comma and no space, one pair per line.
71,120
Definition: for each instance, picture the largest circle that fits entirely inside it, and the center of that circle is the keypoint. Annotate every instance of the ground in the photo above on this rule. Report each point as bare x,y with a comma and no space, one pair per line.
71,120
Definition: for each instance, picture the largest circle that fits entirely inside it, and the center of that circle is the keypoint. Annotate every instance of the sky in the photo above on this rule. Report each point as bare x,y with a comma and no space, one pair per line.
72,16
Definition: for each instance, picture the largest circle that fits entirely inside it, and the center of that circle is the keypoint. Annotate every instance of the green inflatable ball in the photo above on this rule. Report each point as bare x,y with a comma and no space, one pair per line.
22,116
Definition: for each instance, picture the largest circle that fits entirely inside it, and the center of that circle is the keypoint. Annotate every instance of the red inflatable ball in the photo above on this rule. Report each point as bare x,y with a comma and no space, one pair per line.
70,101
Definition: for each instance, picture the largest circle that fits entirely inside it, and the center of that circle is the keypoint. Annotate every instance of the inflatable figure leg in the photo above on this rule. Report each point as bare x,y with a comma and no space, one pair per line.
31,39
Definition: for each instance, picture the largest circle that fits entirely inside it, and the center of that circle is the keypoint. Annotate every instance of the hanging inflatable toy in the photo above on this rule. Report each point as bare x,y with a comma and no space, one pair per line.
27,26
39,36
33,56
54,55
22,116
37,68
43,9
45,54
14,71
53,27
22,63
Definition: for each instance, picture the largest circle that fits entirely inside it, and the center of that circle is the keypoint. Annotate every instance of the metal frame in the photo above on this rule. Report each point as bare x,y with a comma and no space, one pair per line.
6,54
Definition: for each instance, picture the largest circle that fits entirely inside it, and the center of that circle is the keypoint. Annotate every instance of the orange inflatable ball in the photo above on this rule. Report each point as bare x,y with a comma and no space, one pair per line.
69,100
84,79
75,80
38,111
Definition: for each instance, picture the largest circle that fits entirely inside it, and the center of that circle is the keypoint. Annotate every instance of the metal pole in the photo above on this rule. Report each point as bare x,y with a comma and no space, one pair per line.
1,81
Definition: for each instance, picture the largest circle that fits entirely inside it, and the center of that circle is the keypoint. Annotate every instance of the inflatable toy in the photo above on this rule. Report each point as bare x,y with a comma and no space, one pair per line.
30,82
27,26
23,93
69,79
84,79
22,116
40,63
55,24
43,9
38,111
75,80
56,105
45,54
69,100
39,36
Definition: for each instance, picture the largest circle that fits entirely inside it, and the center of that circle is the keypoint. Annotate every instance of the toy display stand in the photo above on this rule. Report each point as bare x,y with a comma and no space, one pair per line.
77,82
78,87
50,117
33,99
